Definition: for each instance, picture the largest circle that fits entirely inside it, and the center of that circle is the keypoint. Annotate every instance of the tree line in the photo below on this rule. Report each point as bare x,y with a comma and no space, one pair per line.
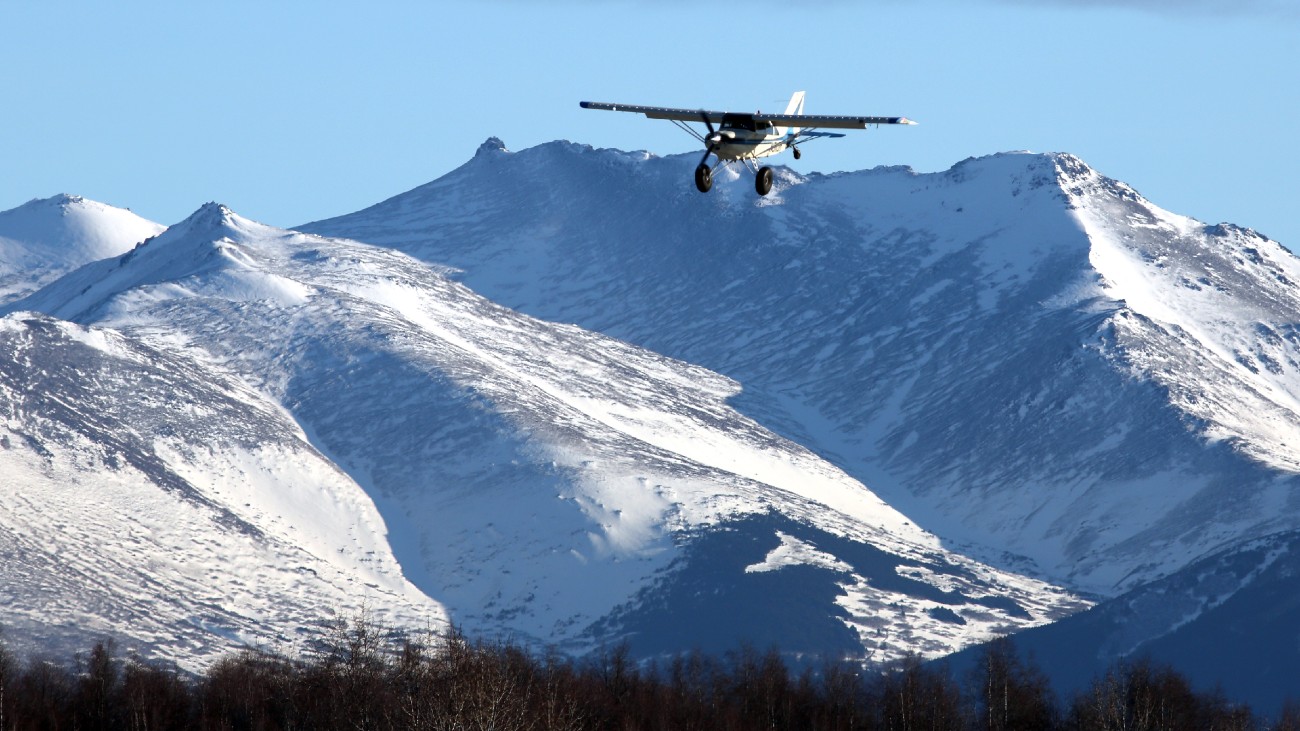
360,678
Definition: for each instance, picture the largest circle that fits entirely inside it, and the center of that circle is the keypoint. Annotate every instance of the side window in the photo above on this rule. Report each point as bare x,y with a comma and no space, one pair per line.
740,121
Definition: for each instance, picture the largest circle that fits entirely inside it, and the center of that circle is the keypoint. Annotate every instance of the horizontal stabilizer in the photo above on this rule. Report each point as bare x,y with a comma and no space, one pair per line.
813,135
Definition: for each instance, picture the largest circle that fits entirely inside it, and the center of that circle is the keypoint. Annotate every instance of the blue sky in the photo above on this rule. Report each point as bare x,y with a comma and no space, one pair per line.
295,111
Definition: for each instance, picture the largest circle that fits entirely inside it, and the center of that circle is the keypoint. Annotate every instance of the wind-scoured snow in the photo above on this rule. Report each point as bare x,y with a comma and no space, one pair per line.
150,499
1216,315
850,418
45,238
1030,360
539,480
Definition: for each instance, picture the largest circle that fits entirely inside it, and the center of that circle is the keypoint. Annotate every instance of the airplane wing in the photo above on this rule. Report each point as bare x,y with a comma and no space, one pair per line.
683,115
777,120
836,122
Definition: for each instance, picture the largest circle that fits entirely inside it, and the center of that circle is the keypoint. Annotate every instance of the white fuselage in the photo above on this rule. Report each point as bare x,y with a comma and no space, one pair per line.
739,144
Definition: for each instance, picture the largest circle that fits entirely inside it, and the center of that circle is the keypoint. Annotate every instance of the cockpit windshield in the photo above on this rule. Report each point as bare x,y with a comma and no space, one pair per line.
746,122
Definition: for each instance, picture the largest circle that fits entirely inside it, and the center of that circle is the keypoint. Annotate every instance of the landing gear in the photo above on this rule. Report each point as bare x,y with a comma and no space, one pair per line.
763,177
704,178
797,154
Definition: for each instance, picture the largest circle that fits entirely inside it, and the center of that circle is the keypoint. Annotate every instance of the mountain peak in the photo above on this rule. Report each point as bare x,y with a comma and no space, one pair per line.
61,204
211,214
213,242
62,200
211,222
47,237
491,145
66,203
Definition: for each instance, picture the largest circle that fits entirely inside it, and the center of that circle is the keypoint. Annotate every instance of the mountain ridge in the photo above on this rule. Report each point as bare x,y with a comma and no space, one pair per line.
615,460
47,237
867,407
152,499
883,265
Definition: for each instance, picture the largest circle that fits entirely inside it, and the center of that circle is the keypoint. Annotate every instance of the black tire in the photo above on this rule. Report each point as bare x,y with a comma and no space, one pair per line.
763,181
797,154
704,178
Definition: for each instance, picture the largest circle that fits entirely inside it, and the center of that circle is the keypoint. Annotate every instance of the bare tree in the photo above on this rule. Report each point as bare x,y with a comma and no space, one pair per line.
43,695
1140,696
916,696
157,698
1289,719
1011,695
6,673
95,701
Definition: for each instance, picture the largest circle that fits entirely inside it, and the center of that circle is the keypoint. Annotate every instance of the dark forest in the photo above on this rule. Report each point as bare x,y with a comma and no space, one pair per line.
359,677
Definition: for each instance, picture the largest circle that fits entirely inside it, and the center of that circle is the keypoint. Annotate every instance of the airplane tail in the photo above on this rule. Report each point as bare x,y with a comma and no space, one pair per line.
796,104
794,107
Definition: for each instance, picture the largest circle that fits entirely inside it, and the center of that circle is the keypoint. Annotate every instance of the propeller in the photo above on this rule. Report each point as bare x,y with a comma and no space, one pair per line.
711,141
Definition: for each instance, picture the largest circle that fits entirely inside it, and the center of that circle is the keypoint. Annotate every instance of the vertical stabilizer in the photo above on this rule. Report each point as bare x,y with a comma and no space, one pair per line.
796,104
794,107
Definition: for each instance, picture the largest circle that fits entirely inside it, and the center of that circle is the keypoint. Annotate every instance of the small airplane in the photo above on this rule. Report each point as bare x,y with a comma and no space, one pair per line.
745,137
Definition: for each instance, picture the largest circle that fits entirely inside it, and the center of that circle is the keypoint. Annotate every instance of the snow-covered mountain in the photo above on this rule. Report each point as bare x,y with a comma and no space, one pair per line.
540,480
851,418
45,238
1031,360
152,498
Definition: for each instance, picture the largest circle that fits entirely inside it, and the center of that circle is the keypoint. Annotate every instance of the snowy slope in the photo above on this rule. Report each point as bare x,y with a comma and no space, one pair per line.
538,479
1029,359
1026,362
45,238
1215,315
1227,621
156,500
